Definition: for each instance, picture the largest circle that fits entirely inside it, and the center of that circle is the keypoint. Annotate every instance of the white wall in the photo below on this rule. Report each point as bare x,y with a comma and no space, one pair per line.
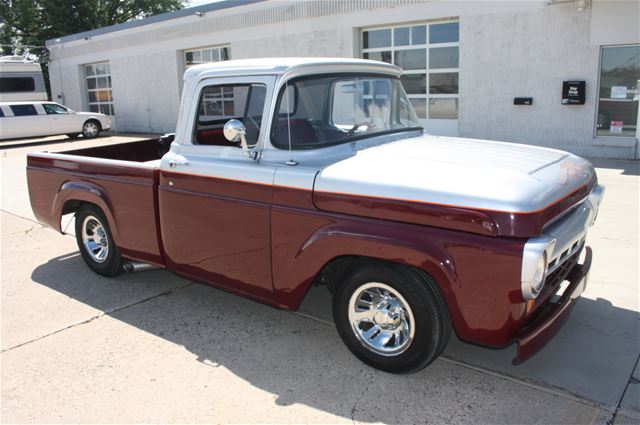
508,49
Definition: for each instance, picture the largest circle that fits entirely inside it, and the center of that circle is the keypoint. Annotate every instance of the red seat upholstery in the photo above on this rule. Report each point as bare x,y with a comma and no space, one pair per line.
212,136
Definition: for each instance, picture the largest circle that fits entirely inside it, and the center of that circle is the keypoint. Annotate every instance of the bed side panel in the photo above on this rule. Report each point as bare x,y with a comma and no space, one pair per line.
125,192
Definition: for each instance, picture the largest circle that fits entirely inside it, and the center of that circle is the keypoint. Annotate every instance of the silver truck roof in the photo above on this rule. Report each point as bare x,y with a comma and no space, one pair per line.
280,66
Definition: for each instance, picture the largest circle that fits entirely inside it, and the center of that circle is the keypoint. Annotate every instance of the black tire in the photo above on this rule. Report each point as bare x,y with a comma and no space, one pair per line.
111,264
73,135
432,323
91,129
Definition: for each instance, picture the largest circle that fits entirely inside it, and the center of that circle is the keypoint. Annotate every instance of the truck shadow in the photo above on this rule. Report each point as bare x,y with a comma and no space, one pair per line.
304,361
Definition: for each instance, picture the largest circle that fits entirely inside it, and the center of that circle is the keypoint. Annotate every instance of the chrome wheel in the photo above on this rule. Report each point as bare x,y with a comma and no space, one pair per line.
94,239
381,319
90,129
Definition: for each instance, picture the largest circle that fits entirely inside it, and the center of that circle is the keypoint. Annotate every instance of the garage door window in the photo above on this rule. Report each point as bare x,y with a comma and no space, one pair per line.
618,94
429,57
99,93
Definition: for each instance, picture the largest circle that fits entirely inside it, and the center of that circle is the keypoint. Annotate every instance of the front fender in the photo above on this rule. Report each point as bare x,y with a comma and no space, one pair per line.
478,276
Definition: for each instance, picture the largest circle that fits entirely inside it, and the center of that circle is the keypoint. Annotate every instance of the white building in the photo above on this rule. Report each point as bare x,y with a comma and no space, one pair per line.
466,63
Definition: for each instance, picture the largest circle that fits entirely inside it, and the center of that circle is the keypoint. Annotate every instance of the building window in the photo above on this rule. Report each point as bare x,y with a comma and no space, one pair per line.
99,92
429,57
205,55
618,94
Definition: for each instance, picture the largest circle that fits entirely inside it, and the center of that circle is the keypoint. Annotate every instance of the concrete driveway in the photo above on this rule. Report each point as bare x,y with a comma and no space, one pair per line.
152,347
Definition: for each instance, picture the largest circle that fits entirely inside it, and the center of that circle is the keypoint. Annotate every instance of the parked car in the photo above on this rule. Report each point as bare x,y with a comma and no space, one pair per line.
21,80
286,173
35,119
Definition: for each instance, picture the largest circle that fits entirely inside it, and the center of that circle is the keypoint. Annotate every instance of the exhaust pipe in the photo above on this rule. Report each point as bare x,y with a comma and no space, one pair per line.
134,266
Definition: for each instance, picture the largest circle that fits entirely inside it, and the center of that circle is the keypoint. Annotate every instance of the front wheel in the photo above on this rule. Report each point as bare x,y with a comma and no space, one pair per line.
391,317
96,243
91,129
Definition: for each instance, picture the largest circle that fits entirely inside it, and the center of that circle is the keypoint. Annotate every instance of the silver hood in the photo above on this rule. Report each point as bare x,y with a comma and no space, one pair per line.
470,173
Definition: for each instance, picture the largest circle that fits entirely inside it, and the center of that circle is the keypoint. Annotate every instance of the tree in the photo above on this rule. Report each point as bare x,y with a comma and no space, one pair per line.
25,25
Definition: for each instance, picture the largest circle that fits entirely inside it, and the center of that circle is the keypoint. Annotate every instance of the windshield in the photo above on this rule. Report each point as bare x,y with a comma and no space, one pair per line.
324,111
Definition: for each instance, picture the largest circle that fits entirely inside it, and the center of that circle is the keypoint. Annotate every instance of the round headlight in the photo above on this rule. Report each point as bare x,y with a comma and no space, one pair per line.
540,274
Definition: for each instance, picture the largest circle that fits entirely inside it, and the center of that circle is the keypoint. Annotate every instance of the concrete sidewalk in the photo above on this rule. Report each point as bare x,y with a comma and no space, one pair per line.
152,347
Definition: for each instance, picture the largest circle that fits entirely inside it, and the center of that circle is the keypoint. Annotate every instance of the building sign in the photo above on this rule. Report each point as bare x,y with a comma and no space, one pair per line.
618,92
573,92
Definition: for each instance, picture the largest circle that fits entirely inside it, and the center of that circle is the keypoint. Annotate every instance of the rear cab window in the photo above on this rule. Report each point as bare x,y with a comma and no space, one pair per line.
23,110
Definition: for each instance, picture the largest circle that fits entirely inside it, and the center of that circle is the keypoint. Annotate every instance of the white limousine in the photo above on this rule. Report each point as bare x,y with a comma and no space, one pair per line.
35,119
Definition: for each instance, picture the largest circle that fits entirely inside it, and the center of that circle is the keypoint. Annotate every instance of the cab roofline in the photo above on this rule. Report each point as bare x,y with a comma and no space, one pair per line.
282,66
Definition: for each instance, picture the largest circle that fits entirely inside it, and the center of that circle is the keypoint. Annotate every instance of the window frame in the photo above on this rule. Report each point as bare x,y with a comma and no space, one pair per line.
45,105
33,106
189,147
428,46
597,99
108,76
327,111
222,99
30,89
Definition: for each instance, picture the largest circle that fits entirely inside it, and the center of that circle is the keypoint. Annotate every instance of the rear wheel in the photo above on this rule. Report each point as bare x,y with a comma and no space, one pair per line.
91,129
391,317
96,243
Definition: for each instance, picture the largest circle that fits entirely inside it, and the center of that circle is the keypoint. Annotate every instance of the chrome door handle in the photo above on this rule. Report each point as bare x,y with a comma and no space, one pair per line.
175,162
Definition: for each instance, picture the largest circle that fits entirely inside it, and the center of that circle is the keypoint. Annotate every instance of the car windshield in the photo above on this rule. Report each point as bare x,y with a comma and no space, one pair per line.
323,111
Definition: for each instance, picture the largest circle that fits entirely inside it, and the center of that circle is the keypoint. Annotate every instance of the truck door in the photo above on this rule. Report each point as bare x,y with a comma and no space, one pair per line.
214,202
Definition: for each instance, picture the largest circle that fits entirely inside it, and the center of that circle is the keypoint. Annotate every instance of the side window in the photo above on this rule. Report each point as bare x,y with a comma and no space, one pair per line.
16,84
219,104
1,113
52,108
23,110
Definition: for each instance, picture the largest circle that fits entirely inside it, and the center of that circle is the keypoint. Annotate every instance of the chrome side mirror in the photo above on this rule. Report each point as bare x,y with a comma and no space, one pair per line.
234,131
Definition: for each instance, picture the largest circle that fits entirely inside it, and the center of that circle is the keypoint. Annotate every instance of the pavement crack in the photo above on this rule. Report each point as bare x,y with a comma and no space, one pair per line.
631,380
104,313
540,386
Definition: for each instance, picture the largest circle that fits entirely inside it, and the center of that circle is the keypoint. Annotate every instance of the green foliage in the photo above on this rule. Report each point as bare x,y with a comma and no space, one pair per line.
25,25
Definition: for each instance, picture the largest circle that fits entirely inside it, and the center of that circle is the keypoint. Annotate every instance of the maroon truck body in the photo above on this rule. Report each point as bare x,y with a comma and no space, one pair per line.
289,255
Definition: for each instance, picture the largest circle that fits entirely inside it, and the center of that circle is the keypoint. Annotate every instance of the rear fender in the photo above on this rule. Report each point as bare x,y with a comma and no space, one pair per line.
85,192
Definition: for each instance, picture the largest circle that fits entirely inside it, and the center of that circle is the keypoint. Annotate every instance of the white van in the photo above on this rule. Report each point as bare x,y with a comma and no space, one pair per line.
34,119
20,80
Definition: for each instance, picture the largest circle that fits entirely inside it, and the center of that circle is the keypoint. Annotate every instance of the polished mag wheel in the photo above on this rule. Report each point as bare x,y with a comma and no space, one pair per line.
95,240
381,319
391,316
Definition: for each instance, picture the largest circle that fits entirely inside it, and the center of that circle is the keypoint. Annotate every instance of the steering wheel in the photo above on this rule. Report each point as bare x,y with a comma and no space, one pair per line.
357,126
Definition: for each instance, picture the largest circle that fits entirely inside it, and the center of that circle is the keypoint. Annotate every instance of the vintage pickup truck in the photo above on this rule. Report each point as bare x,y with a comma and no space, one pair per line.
284,173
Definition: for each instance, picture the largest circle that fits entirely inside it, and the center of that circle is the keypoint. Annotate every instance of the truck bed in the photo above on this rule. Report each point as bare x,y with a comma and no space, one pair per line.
139,151
121,179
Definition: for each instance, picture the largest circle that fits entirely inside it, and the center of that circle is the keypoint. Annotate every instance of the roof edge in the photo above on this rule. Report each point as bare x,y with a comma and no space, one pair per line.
211,7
